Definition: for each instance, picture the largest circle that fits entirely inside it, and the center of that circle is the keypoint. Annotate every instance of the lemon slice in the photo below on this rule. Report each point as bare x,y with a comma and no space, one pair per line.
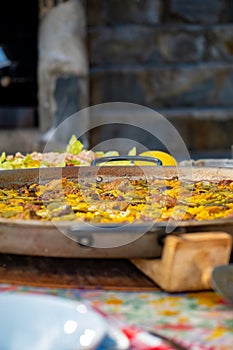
166,158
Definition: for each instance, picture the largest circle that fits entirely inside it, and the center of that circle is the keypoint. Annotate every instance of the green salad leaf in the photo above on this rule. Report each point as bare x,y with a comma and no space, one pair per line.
132,152
2,157
74,146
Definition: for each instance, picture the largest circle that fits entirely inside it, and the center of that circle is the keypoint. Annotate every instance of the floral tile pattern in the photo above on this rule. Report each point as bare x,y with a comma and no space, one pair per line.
198,320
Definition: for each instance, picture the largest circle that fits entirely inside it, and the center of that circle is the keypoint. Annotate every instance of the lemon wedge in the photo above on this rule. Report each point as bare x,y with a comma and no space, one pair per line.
166,158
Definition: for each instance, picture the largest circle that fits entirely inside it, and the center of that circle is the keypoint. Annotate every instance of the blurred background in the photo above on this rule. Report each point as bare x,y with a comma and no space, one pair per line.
174,56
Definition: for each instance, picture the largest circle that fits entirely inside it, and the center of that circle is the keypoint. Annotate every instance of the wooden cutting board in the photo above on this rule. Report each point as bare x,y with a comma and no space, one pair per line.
188,260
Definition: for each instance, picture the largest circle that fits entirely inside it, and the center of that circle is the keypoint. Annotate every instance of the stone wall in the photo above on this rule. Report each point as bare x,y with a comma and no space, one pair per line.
175,56
63,65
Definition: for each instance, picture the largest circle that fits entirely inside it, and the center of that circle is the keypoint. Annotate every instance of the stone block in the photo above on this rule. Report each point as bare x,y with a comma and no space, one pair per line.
131,11
228,13
122,44
184,44
206,132
209,134
220,43
95,11
115,85
165,86
145,44
204,129
198,11
112,12
24,140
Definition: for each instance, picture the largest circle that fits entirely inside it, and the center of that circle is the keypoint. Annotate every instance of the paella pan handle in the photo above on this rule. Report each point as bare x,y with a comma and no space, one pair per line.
126,157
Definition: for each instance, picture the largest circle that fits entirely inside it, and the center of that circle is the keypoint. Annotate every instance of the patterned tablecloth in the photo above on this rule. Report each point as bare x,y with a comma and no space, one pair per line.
197,320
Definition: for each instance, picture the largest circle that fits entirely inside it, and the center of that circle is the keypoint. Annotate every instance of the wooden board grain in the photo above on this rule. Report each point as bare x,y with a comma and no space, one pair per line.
188,260
108,274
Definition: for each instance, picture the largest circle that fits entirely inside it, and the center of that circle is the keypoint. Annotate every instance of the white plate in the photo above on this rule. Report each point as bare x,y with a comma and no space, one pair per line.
39,322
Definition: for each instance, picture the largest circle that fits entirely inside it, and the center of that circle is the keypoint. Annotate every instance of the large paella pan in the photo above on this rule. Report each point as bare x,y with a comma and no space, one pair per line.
46,226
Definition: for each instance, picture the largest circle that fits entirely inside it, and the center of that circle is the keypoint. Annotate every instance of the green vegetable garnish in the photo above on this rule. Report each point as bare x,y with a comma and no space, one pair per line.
74,146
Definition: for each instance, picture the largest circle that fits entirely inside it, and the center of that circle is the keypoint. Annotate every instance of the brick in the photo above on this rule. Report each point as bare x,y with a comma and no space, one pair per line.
198,11
145,44
165,86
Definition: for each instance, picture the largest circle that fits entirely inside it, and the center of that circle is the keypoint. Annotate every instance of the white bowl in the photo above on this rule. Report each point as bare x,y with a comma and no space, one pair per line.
40,322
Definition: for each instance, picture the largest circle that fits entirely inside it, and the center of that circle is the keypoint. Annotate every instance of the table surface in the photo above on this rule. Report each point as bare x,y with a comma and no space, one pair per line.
73,273
199,320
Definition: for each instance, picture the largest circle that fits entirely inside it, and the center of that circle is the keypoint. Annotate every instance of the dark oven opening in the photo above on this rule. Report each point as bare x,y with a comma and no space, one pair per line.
18,63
